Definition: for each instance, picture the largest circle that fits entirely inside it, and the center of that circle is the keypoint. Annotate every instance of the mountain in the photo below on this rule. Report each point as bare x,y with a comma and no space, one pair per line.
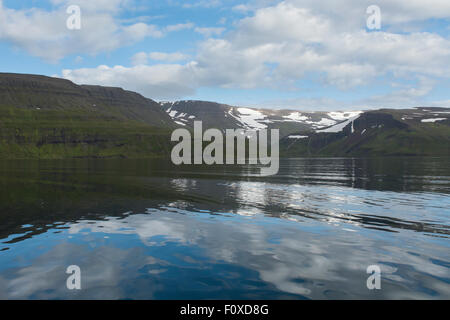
33,92
387,132
44,117
49,118
221,116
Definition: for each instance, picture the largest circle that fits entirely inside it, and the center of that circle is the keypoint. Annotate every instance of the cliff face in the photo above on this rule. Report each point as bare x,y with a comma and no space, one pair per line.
34,92
385,132
43,117
221,116
414,132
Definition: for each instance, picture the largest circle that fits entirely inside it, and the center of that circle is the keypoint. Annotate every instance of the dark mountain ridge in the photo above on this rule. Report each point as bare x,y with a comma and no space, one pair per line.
47,93
386,132
44,117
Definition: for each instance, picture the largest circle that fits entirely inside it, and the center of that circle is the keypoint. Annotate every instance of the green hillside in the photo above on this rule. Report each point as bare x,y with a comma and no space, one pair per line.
49,118
378,133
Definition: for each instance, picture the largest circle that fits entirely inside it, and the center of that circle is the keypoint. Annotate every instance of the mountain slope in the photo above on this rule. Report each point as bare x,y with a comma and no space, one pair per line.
43,117
44,93
412,132
221,116
419,131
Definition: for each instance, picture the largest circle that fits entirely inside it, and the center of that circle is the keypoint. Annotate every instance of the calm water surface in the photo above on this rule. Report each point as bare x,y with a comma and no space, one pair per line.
147,230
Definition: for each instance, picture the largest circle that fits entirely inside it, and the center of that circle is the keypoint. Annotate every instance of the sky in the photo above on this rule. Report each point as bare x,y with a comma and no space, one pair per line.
296,54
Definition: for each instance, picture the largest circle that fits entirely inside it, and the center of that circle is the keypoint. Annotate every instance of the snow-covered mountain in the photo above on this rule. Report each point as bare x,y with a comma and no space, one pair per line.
418,131
221,116
405,132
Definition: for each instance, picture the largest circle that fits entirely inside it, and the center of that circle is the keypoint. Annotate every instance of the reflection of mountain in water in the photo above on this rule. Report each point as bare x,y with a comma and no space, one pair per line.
147,230
368,193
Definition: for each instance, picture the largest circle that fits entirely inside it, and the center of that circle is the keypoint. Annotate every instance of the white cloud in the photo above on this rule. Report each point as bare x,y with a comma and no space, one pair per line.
202,4
111,6
169,57
252,5
405,97
139,31
242,8
280,44
208,32
142,58
44,33
351,14
180,26
347,75
168,81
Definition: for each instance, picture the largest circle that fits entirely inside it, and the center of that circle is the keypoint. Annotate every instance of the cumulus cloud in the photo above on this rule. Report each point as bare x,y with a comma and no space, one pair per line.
170,57
142,58
351,14
95,6
180,26
168,81
202,4
242,8
208,32
44,33
280,44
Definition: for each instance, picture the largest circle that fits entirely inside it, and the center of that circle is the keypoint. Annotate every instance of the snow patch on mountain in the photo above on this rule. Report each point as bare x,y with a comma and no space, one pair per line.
433,120
250,118
340,126
341,116
258,119
324,122
181,118
296,117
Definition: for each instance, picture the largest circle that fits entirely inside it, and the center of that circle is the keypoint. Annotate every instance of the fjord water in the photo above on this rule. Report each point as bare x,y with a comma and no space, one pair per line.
144,229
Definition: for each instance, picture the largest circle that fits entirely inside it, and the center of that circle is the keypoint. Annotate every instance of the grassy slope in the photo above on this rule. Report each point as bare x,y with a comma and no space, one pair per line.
40,134
394,142
46,118
395,138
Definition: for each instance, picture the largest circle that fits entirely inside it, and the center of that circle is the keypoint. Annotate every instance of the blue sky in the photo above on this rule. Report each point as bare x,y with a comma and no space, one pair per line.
298,54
